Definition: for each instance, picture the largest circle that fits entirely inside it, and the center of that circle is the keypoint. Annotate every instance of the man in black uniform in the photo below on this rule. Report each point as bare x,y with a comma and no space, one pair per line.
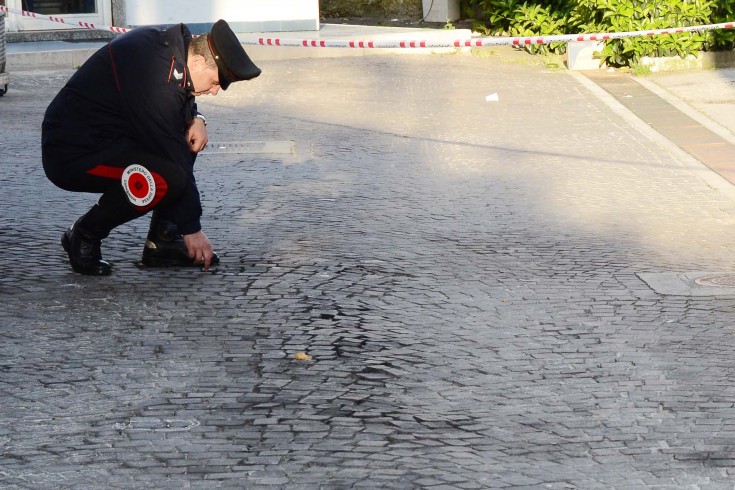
126,125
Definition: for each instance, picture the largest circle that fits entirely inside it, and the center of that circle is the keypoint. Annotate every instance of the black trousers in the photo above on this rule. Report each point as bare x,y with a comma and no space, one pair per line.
131,181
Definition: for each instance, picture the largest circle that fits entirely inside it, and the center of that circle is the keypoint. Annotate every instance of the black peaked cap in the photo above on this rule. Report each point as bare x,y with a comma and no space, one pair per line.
233,62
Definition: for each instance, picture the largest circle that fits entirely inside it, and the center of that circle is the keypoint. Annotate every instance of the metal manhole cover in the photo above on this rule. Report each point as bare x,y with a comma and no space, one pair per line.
717,280
693,283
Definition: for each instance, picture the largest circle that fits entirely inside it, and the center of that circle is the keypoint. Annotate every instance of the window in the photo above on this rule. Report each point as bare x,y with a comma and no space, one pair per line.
54,7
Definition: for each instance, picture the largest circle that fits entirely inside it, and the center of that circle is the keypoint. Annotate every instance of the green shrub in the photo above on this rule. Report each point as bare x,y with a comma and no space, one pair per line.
723,39
542,18
641,15
516,18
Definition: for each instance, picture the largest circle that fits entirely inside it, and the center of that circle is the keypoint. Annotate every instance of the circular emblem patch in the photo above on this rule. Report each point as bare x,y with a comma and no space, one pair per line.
139,185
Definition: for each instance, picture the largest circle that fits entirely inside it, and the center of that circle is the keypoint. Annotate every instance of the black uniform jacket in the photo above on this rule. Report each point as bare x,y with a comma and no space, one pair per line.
134,91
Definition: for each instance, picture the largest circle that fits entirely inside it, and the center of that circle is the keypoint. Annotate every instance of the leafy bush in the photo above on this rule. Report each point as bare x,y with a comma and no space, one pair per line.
639,15
548,17
517,18
724,39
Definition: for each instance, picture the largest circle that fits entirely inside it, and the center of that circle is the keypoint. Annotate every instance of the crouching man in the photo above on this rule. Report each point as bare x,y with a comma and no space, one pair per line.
126,126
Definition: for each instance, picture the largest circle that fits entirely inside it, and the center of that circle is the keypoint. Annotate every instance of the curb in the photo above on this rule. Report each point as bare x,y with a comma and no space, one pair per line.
53,59
688,161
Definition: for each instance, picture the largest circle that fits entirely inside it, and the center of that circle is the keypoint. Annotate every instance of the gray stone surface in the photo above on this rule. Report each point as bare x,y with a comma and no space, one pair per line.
464,273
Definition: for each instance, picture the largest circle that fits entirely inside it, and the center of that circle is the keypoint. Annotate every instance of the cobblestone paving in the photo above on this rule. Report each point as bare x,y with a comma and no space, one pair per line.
462,272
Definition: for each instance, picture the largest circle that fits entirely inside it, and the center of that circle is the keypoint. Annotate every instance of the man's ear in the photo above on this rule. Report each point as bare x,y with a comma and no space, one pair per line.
196,60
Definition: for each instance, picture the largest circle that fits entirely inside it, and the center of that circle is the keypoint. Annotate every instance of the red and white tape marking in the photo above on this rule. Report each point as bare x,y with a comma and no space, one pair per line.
484,41
378,44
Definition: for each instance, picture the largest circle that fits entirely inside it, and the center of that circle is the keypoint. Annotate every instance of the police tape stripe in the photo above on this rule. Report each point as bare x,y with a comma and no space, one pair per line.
484,41
409,44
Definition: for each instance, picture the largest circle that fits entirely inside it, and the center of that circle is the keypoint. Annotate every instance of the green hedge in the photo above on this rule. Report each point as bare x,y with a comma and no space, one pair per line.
546,17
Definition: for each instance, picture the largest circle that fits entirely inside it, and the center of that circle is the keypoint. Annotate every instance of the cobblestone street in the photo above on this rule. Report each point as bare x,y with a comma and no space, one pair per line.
466,275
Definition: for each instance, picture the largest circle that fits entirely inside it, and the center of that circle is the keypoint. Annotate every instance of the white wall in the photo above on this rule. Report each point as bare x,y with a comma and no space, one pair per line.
242,15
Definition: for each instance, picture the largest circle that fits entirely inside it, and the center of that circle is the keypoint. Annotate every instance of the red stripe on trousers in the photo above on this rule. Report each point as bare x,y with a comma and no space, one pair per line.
108,172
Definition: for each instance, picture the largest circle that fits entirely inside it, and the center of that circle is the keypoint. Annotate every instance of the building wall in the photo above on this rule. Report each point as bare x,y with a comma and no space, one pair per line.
242,15
118,13
407,9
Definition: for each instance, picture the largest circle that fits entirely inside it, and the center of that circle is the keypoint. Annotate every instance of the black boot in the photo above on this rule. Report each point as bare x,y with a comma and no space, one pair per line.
165,246
83,249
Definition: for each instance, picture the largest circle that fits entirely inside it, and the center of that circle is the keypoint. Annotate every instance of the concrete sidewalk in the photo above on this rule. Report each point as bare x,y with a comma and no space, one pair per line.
705,95
692,110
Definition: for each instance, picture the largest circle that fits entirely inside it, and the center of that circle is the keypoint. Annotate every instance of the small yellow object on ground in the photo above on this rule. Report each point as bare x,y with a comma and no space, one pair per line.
302,356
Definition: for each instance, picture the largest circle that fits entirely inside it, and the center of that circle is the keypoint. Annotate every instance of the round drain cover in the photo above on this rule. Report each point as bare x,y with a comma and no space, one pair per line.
717,280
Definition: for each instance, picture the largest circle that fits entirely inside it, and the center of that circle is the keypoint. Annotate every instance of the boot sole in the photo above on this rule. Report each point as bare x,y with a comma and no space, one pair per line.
168,262
155,262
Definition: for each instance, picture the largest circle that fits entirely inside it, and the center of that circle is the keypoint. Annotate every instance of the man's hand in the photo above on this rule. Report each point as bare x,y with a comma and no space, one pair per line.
196,135
199,248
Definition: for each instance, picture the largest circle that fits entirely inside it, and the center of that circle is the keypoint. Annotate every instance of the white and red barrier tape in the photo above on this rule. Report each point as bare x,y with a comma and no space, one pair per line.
377,44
